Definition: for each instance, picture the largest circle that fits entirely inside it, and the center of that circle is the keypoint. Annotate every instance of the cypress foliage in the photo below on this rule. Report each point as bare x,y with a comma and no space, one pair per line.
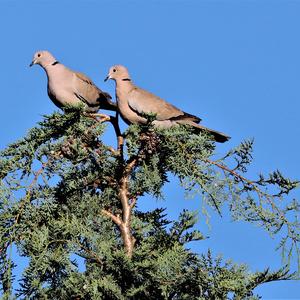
64,192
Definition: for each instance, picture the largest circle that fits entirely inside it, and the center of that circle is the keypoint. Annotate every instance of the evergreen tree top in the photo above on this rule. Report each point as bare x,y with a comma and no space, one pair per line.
63,192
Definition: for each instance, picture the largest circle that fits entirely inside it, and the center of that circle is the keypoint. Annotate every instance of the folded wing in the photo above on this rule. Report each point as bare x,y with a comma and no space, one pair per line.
90,94
144,102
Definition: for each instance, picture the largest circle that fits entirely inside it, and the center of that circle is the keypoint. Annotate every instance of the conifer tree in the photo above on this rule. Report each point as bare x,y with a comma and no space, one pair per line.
64,192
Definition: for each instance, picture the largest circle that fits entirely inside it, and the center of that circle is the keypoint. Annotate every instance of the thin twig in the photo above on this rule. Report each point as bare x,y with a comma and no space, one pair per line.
133,202
37,174
231,171
30,187
252,183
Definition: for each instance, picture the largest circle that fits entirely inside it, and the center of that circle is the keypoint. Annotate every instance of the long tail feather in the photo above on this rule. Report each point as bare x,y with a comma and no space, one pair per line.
218,136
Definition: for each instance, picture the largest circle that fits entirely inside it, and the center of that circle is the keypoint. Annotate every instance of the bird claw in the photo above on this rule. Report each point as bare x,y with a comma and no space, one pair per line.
101,117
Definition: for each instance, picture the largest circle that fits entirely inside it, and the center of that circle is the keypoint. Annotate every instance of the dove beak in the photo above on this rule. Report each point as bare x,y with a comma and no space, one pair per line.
107,77
32,63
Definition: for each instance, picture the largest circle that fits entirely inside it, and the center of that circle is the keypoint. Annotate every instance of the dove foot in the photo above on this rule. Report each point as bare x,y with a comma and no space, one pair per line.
101,117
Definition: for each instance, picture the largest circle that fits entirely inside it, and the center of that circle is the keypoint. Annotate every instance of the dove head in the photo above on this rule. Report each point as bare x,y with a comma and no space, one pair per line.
43,58
118,72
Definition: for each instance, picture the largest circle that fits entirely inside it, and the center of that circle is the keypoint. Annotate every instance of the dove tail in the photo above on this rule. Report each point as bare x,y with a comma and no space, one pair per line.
218,136
106,103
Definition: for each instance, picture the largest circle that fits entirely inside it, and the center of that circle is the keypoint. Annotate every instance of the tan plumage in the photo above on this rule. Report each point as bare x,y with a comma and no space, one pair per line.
67,87
134,102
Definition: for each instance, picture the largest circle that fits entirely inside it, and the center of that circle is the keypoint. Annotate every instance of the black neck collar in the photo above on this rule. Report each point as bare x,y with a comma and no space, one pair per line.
55,63
126,79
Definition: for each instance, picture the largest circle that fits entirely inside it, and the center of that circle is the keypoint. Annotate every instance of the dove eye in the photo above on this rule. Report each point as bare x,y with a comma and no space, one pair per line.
114,70
39,55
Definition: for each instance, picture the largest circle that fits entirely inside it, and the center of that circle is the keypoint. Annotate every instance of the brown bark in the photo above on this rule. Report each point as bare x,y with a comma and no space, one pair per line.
124,221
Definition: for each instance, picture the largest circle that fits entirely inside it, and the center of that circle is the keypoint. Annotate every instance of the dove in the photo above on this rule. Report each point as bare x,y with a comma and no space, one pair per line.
133,103
70,88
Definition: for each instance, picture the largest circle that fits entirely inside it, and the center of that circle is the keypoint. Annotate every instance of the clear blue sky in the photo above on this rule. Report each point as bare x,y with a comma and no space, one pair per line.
235,64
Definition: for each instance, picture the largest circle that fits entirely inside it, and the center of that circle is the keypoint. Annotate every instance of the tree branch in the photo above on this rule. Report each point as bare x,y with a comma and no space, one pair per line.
37,175
114,121
114,218
252,183
124,223
231,172
126,208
